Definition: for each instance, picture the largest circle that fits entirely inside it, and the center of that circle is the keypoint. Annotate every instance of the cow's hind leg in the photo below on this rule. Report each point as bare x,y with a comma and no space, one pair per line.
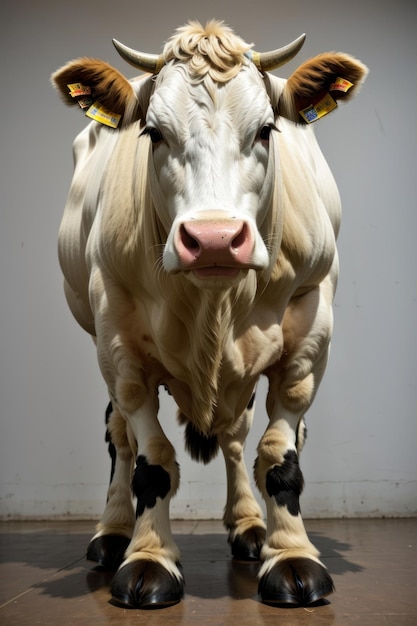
114,532
292,572
242,514
150,576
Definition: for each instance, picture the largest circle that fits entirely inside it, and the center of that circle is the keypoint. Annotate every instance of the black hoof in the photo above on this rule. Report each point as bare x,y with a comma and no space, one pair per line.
248,545
145,585
295,581
108,550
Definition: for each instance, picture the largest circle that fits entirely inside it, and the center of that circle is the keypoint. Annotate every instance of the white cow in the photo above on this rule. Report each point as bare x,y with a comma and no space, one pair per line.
198,246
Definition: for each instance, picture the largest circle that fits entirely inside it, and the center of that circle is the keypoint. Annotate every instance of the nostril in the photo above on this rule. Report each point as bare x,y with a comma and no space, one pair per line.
189,242
240,239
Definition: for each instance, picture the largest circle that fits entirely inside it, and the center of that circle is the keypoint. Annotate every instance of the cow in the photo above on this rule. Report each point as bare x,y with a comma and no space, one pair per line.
198,247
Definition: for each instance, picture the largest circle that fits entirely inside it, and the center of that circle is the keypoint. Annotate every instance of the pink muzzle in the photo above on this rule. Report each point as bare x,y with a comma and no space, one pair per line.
219,247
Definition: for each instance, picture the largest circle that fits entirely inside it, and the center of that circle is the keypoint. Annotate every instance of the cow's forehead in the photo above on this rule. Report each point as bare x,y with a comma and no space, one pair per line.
176,93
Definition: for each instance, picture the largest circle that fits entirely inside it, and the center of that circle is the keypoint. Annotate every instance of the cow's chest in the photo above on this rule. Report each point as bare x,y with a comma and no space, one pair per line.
211,369
208,353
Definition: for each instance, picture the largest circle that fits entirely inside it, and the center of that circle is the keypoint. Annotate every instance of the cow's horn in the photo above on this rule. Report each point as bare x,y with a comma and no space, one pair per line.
152,63
275,58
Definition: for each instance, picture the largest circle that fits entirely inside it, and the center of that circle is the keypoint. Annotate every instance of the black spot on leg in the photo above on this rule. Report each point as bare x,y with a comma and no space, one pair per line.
285,483
111,446
149,483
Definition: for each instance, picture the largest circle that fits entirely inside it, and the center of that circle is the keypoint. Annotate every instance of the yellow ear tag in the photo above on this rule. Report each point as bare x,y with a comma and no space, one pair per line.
314,112
341,84
98,113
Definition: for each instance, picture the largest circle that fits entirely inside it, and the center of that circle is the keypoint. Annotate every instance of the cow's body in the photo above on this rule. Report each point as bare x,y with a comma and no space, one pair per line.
200,252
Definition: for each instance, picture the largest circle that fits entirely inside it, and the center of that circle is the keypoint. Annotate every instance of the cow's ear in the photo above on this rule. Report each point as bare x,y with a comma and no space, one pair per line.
99,89
315,87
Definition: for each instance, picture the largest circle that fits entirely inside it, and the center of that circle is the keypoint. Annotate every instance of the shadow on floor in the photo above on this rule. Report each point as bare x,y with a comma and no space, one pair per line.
209,570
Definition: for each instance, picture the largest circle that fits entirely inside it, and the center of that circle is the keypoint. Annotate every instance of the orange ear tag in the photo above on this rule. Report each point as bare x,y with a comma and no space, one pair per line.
341,84
81,93
78,89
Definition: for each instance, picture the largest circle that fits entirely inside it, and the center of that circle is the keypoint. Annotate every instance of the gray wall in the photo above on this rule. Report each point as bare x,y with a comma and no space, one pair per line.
360,456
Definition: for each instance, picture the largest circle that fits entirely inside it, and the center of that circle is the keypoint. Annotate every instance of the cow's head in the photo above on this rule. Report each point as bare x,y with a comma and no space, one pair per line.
210,115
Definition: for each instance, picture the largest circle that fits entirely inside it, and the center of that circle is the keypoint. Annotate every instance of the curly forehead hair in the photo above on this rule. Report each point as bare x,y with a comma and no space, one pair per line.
213,49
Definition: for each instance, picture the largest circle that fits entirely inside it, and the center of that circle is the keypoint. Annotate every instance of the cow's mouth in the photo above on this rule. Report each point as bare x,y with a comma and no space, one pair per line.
216,271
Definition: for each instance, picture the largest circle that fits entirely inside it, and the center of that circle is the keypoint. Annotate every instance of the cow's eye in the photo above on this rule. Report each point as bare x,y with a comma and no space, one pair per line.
265,133
153,133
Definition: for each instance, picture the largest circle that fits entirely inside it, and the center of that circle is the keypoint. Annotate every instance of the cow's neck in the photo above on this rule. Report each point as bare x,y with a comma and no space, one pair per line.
207,323
213,325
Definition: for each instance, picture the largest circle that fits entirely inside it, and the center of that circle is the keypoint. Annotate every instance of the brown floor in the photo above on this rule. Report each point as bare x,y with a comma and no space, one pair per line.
46,580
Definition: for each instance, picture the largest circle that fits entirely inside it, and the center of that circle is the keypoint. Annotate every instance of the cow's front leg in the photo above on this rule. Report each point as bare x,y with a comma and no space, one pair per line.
150,575
292,572
114,532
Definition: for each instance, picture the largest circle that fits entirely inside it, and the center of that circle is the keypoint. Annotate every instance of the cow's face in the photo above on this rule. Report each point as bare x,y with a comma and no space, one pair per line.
213,172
